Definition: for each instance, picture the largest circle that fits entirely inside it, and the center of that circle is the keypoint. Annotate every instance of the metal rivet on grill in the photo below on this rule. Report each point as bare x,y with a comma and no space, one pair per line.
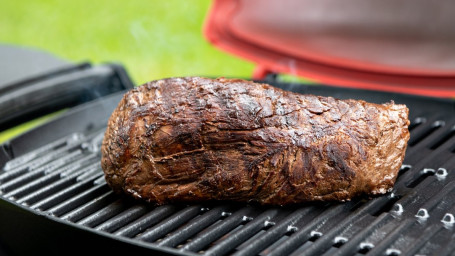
90,147
315,234
292,229
246,218
392,252
422,214
405,166
448,219
420,120
99,181
441,173
398,209
76,137
225,214
439,123
365,246
428,170
339,240
269,223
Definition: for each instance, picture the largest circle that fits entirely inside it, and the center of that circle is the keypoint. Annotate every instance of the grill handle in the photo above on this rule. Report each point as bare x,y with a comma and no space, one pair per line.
63,88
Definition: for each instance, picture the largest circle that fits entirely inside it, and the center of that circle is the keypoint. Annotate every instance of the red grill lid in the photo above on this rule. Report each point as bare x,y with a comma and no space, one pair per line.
403,46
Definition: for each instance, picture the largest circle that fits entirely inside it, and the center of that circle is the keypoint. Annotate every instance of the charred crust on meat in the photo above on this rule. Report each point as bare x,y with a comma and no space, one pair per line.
192,139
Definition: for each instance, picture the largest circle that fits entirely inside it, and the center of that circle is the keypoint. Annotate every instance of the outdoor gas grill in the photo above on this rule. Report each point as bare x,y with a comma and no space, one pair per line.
54,199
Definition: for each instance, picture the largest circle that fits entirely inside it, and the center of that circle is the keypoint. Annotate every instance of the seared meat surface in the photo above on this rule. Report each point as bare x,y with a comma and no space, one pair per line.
193,139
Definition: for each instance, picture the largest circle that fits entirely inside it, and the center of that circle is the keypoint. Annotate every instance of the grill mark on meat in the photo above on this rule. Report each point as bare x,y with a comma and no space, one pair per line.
193,139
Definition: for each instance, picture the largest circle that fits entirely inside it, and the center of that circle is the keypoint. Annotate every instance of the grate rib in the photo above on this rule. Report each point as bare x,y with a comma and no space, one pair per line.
34,158
426,132
41,171
194,226
215,232
448,248
352,245
274,233
326,241
380,248
146,221
425,236
90,207
103,214
417,122
304,233
51,188
437,198
52,176
64,194
444,138
243,234
123,218
170,223
78,200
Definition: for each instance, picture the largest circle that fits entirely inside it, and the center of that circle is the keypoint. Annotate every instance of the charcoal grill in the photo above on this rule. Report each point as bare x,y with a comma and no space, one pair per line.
54,197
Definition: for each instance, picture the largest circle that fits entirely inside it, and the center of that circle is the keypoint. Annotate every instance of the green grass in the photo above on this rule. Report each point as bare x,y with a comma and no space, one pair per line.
152,39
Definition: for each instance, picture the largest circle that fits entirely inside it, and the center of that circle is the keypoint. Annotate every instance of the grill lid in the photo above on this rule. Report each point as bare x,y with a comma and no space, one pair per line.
364,44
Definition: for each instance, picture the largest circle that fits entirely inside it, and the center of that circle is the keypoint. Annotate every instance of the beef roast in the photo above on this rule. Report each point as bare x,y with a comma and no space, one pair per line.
193,139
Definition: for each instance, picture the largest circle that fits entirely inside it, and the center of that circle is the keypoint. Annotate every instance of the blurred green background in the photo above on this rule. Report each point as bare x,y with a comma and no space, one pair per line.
152,39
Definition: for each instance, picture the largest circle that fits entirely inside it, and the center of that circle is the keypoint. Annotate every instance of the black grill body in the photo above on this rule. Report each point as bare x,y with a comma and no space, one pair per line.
54,198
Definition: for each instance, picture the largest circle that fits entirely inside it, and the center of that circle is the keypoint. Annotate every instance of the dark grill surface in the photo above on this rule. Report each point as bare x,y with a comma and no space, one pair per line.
64,181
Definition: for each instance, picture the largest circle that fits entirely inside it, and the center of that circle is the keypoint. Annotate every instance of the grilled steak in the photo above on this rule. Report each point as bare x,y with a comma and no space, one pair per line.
193,139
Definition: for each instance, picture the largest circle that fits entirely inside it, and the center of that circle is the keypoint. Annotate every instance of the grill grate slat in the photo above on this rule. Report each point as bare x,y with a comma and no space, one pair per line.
215,232
437,198
381,248
90,207
304,233
37,154
427,234
146,221
417,122
275,233
426,133
50,189
247,231
352,245
103,214
51,177
78,200
122,219
39,172
194,226
444,138
63,195
170,223
326,241
447,249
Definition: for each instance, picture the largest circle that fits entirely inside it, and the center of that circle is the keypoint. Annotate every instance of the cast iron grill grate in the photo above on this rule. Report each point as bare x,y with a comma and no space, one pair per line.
64,181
